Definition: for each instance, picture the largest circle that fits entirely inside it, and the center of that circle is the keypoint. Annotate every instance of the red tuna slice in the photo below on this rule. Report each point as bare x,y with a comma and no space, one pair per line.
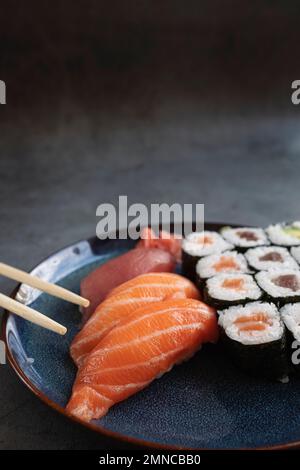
102,280
166,241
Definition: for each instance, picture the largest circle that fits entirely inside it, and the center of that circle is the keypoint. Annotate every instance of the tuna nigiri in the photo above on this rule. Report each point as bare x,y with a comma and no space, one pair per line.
123,301
138,350
165,241
102,280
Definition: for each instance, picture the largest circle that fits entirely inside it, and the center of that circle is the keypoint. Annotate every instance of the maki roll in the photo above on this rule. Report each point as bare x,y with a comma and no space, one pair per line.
290,314
199,244
254,336
264,258
245,237
224,290
284,234
280,285
226,262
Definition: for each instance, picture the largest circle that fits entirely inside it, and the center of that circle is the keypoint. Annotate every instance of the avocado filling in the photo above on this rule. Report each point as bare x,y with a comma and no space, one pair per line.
292,231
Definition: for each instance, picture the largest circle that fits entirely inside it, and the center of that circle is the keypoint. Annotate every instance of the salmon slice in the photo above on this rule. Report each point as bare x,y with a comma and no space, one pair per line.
256,317
123,301
253,327
204,240
236,284
114,272
138,350
165,241
225,262
256,322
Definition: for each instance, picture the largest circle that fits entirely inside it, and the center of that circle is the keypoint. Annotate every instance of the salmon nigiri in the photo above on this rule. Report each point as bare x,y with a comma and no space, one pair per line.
138,350
124,300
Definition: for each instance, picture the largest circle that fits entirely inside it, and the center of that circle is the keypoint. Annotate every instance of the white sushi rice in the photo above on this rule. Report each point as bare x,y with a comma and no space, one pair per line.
265,281
278,236
295,252
193,244
273,332
217,291
290,313
233,235
253,256
205,267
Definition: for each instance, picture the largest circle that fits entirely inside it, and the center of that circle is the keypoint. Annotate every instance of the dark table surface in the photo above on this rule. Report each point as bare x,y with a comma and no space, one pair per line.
163,106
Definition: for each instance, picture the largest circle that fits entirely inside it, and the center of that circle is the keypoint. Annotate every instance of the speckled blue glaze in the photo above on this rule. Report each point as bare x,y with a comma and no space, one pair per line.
204,403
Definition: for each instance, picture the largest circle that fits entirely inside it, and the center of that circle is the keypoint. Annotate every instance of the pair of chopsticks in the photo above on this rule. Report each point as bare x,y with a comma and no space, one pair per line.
29,313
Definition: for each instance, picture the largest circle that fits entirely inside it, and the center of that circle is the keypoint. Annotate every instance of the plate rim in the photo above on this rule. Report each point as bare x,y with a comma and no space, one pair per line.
98,428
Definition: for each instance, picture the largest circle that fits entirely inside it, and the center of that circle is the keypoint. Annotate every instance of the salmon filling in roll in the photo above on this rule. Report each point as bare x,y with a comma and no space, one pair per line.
254,337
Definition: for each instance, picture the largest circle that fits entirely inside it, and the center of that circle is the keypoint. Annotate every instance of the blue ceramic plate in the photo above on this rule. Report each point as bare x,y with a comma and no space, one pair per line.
204,403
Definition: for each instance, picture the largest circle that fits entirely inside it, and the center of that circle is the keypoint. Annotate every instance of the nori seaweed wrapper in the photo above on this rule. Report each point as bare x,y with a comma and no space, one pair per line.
267,360
200,282
280,301
189,265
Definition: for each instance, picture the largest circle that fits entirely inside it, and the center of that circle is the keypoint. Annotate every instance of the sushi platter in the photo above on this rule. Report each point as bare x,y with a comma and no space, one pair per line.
187,343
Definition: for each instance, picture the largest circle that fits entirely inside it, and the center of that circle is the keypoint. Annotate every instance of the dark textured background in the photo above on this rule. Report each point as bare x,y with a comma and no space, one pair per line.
163,101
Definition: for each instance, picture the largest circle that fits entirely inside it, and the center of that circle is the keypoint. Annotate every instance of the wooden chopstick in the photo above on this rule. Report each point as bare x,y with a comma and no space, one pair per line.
30,314
34,281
